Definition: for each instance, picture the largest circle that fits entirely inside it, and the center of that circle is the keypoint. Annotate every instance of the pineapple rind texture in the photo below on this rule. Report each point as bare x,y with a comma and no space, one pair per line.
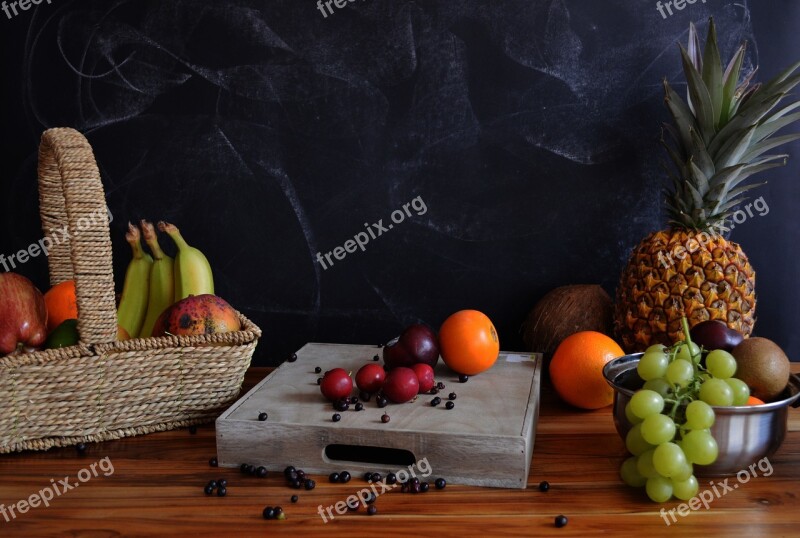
677,272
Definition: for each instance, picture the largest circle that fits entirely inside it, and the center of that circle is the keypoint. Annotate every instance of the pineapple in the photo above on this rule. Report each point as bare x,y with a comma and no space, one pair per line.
719,138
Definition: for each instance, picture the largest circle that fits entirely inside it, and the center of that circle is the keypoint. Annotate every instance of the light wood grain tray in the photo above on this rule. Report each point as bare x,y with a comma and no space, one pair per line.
485,440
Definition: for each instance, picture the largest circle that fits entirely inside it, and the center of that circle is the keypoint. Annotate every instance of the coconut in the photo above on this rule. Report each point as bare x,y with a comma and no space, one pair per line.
565,311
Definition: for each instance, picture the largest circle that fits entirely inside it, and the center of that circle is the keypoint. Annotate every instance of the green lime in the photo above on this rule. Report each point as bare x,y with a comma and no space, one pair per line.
64,335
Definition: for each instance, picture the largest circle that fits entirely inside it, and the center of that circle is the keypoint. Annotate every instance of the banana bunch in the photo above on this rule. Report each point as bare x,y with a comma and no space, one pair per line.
153,283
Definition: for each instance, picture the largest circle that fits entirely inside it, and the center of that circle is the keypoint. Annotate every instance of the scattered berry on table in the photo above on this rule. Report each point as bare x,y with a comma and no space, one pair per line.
560,521
262,417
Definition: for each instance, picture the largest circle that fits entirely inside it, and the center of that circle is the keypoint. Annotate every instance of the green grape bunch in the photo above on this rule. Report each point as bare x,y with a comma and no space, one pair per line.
672,415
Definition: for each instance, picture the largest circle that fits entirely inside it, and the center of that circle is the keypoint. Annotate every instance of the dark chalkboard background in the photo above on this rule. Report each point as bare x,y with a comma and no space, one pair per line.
269,133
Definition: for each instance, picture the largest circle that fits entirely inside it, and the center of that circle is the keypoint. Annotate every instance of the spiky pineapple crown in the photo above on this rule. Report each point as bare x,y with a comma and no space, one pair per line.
720,136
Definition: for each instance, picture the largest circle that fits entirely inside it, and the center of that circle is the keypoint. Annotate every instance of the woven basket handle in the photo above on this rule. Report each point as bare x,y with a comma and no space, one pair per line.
75,221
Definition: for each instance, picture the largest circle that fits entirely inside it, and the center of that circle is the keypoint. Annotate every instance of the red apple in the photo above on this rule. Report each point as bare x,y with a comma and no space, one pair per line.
23,315
417,343
370,377
336,384
401,385
424,375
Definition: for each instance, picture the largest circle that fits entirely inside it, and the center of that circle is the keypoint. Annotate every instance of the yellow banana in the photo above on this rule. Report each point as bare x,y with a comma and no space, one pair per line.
193,274
133,304
162,281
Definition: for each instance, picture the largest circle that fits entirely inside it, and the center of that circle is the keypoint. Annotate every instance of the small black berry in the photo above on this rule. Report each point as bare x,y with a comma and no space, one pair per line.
293,357
317,370
450,405
291,476
372,510
213,462
310,484
221,492
243,468
278,512
382,401
391,478
209,489
213,484
463,378
262,417
380,345
376,477
341,405
544,485
436,401
368,476
371,499
376,358
434,390
295,484
336,417
192,430
423,487
319,381
359,406
440,483
333,477
81,448
344,477
261,472
385,418
353,399
251,469
560,521
268,513
365,396
440,385
452,396
295,498
290,469
222,482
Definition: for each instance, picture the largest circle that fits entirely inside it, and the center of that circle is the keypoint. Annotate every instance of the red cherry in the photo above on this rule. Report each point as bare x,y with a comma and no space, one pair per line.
424,375
370,377
336,384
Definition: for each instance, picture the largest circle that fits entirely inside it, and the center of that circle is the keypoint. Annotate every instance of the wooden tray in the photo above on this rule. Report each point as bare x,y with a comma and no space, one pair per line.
486,440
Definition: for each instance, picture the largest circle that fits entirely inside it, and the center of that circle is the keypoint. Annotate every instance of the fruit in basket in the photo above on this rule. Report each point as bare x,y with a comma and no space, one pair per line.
336,385
370,378
714,334
61,303
417,343
197,315
162,281
65,335
469,343
401,385
23,315
193,274
763,365
576,369
717,140
133,304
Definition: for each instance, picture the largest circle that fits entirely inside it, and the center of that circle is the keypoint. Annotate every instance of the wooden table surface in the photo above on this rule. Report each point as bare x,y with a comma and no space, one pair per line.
156,488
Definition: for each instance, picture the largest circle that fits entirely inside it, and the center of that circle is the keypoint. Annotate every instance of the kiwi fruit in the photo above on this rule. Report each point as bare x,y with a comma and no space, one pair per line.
763,365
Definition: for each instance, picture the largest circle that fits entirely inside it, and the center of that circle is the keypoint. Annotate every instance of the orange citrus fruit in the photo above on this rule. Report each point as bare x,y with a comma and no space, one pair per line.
576,369
752,400
61,304
468,342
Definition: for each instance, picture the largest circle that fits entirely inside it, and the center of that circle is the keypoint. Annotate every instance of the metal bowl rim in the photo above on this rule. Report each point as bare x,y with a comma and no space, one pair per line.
633,358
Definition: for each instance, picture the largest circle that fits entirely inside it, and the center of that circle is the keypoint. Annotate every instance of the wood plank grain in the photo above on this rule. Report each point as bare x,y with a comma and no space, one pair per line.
156,489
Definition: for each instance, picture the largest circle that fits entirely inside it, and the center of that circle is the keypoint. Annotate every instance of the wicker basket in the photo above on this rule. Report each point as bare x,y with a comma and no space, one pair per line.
103,389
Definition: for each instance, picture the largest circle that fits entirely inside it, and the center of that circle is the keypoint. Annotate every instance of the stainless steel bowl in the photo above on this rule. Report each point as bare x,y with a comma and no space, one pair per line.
744,434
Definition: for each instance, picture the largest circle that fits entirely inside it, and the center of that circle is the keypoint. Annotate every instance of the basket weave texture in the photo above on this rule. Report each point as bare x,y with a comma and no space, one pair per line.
104,389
